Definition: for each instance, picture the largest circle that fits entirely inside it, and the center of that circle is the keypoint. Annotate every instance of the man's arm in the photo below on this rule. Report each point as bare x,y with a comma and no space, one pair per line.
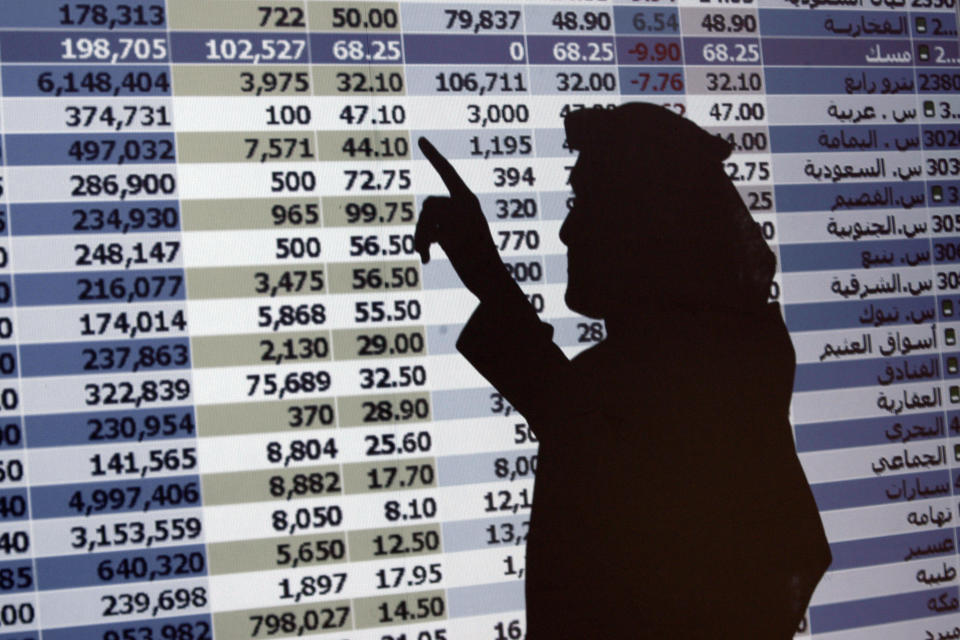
504,338
509,346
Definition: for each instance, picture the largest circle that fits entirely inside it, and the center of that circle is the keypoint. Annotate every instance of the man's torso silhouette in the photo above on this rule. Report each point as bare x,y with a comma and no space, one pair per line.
668,498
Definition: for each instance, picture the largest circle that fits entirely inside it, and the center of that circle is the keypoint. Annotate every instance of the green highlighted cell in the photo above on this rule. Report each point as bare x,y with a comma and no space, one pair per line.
392,543
284,622
221,15
264,417
246,146
265,554
257,349
358,80
292,552
368,277
242,80
247,282
397,475
379,343
422,606
251,213
354,17
359,211
354,146
280,485
373,410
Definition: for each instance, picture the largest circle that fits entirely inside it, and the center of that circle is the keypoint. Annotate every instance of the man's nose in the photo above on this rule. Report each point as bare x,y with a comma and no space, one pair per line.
568,228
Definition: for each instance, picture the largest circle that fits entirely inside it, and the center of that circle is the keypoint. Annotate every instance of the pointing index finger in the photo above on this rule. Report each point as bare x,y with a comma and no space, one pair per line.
453,181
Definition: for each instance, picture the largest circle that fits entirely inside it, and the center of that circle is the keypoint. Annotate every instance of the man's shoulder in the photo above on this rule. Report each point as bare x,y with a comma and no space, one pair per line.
591,356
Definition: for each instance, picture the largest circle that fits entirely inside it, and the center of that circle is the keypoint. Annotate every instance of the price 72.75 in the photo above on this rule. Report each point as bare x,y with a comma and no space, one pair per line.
367,180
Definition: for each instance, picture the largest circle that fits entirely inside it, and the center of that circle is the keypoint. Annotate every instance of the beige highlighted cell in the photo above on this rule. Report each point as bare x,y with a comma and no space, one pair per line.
357,146
736,80
377,611
354,17
394,542
264,417
261,348
250,282
362,211
241,80
358,80
695,20
255,213
246,146
288,552
397,475
380,343
389,409
305,620
369,277
222,15
279,485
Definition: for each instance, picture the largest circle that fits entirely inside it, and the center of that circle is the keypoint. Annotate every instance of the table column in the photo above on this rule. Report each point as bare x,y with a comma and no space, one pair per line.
305,278
862,305
725,94
18,589
107,390
934,47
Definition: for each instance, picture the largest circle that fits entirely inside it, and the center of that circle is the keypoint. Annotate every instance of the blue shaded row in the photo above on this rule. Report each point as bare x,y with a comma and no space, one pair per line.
30,80
97,427
625,19
878,254
864,196
76,571
159,148
87,358
851,314
95,287
822,376
904,547
865,432
197,627
217,47
852,138
856,24
887,609
860,80
112,356
100,498
113,149
101,569
142,216
916,488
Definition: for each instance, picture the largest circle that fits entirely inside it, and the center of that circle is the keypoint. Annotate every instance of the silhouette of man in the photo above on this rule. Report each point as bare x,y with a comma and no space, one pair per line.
669,499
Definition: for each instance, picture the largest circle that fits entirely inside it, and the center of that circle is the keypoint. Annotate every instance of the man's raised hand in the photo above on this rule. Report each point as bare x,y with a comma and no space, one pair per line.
457,223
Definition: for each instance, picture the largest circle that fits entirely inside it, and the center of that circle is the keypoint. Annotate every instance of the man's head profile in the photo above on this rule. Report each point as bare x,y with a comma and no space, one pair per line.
655,220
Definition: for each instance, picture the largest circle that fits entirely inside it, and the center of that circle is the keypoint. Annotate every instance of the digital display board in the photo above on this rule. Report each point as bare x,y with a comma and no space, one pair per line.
231,405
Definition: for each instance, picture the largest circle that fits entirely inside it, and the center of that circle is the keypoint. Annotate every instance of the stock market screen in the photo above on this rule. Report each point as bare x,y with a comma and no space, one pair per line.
231,404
